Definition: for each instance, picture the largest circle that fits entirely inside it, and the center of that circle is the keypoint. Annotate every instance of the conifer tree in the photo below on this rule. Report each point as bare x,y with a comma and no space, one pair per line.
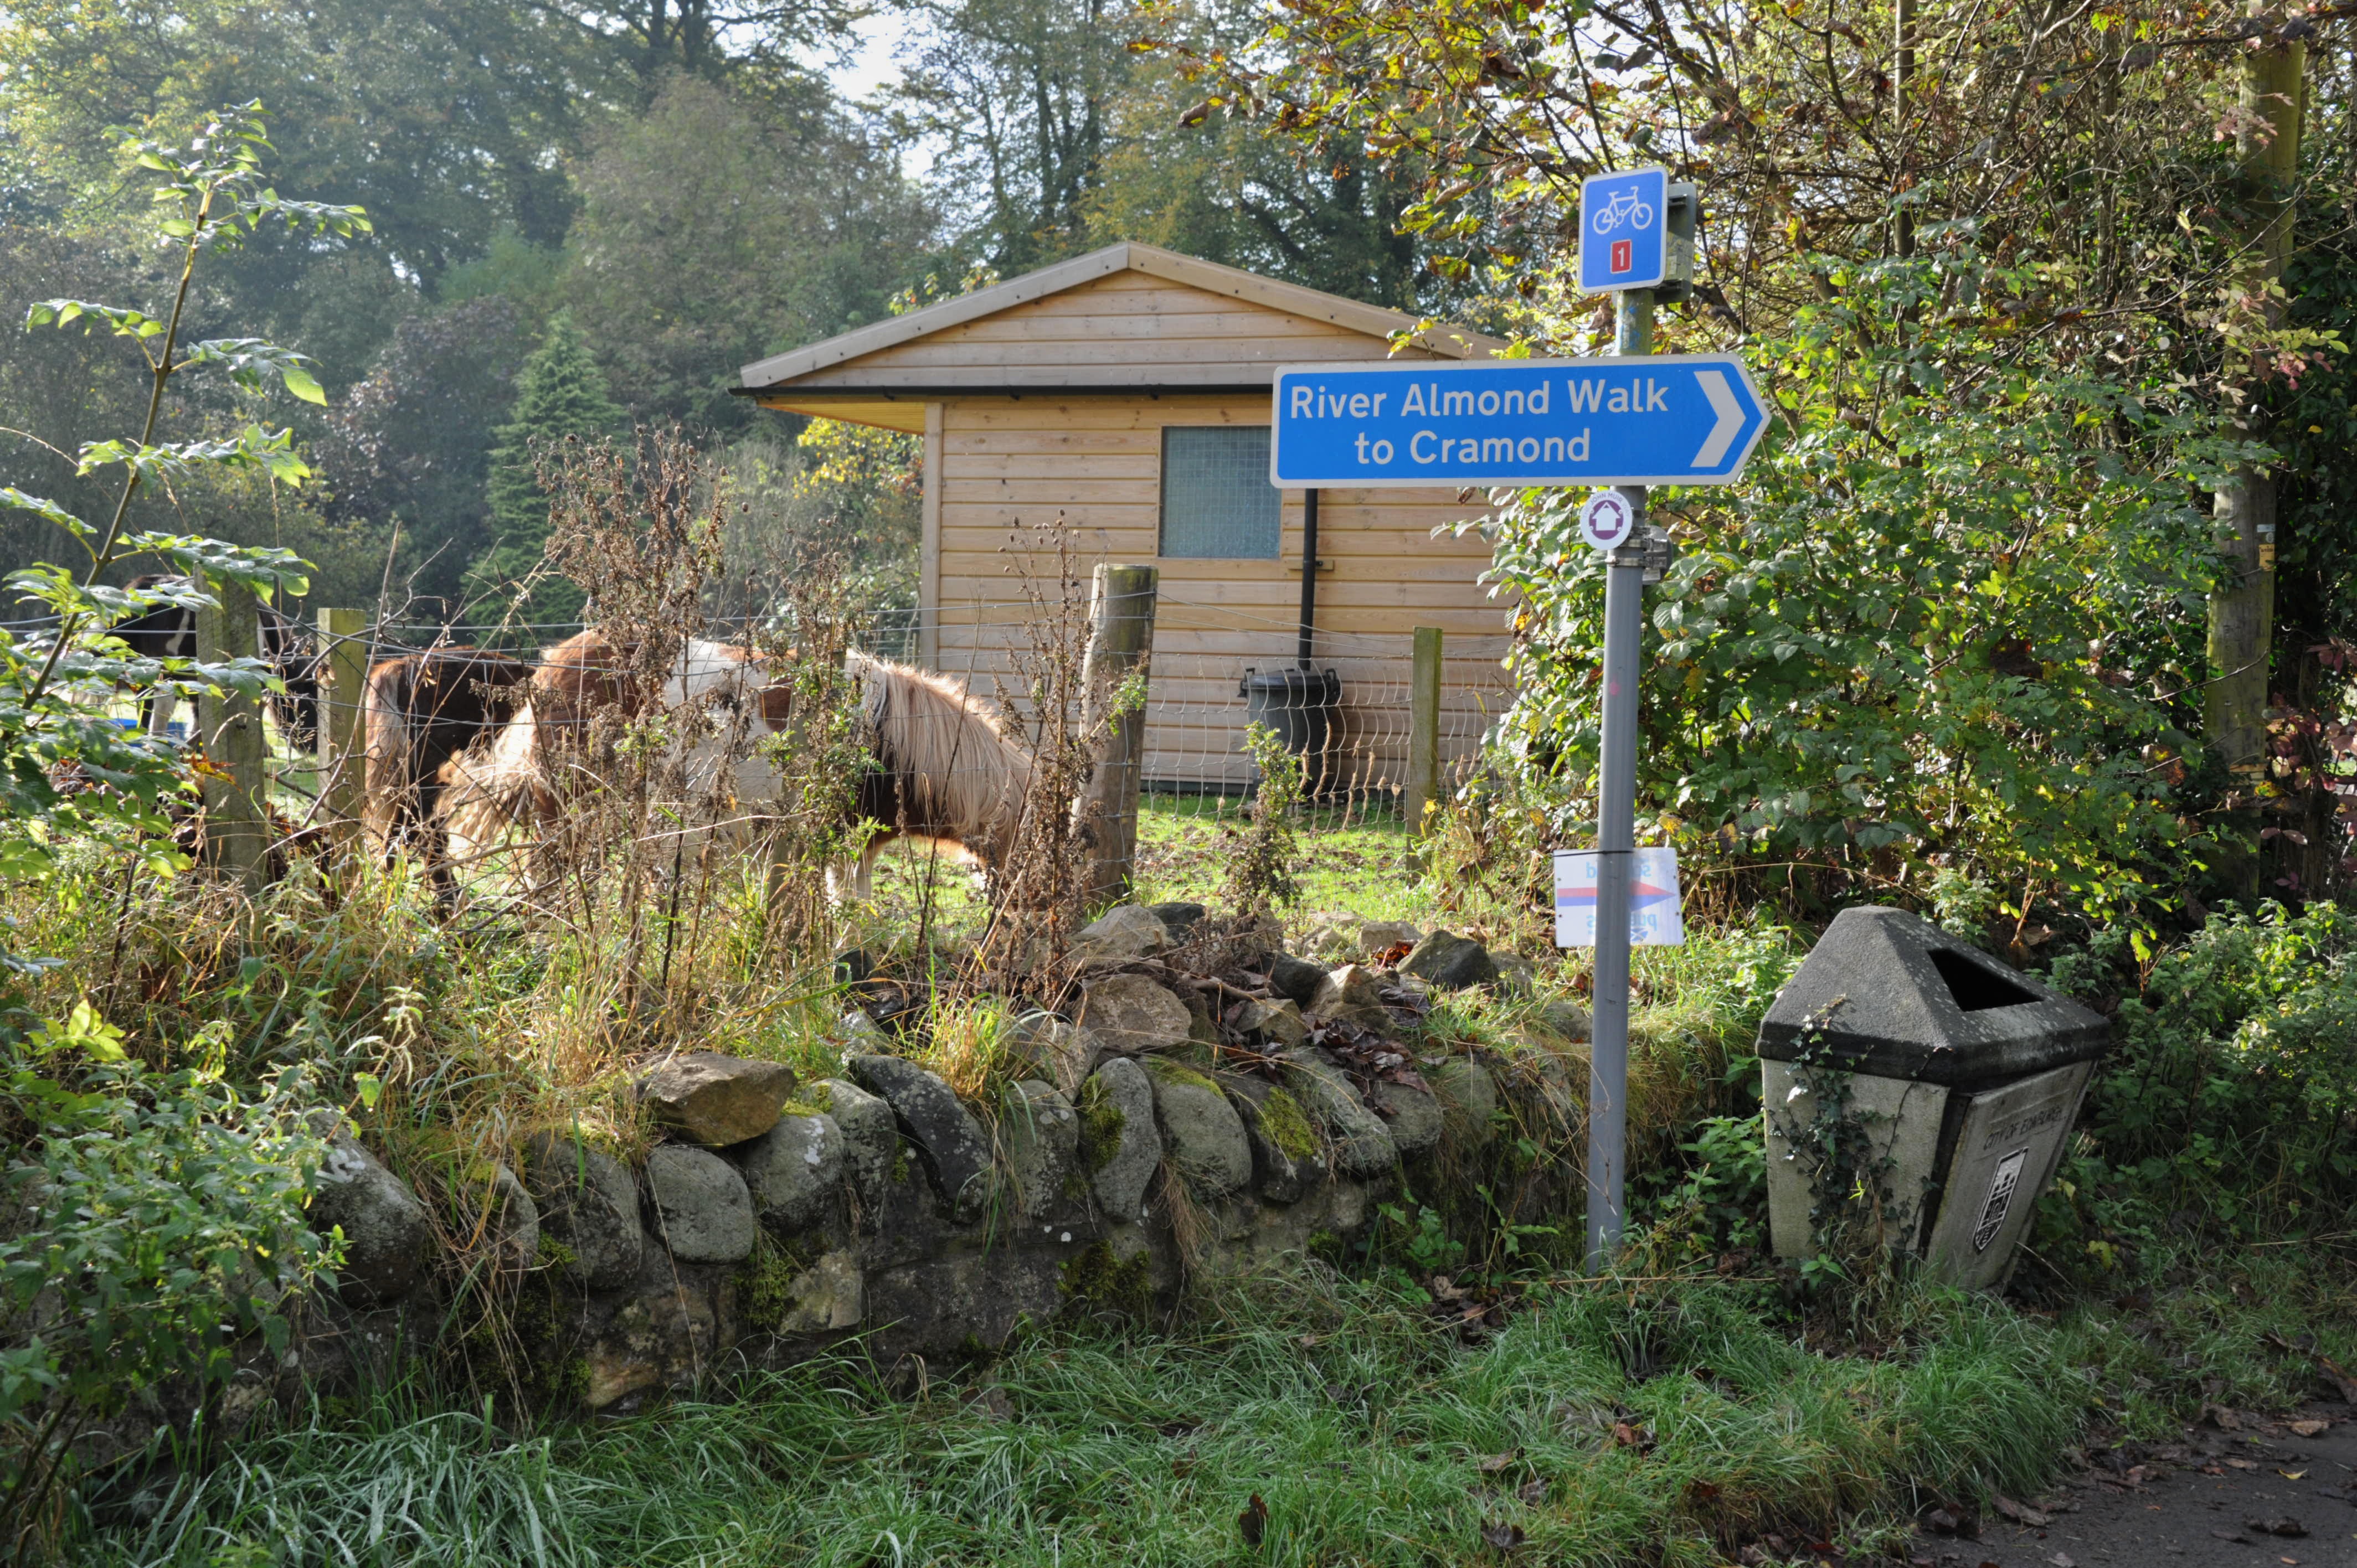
560,393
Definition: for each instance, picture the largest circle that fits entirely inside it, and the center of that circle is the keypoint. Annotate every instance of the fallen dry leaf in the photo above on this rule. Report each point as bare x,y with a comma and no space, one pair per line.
2293,1475
2234,1535
1532,1492
1497,1462
2309,1428
1504,1537
2288,1528
2022,1513
2241,1464
2063,1560
1253,1521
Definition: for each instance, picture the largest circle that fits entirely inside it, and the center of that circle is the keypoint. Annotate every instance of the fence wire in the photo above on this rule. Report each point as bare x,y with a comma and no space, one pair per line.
1194,760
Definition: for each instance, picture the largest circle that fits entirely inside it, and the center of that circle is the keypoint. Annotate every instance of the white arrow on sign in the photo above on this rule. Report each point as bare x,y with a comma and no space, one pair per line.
1730,418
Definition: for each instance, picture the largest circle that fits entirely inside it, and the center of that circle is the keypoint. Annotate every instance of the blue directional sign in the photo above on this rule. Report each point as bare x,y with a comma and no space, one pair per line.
1624,224
1670,419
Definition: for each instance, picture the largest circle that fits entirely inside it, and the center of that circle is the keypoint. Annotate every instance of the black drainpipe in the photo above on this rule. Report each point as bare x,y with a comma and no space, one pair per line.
1308,573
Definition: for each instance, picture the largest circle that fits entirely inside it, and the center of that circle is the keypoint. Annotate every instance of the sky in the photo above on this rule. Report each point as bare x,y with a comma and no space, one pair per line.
870,65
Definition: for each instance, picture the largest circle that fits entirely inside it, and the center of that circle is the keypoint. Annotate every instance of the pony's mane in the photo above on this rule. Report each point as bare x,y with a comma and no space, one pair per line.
385,749
949,749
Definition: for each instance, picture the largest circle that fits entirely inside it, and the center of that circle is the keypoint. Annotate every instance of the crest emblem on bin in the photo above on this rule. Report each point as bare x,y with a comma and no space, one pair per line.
2000,1198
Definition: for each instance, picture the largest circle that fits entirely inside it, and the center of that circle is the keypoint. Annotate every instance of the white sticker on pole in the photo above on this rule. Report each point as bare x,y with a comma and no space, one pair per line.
1654,918
1606,520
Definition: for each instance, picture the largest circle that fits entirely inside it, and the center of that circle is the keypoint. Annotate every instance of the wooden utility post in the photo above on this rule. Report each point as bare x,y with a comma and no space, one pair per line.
1423,731
2243,607
1121,638
228,732
343,672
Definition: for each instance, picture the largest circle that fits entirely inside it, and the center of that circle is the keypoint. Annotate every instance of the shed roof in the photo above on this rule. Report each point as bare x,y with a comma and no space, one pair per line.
1043,333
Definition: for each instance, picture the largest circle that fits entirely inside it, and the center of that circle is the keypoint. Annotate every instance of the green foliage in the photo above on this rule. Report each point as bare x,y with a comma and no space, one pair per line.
560,396
2230,1095
727,223
1942,626
56,736
158,1218
1259,868
1717,1203
412,440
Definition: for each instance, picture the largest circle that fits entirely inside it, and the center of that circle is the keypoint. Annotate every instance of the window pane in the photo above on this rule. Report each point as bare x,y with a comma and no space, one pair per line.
1216,497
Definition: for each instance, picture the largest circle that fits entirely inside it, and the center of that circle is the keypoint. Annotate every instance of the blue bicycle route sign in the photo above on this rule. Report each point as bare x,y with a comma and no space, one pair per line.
1624,224
1674,419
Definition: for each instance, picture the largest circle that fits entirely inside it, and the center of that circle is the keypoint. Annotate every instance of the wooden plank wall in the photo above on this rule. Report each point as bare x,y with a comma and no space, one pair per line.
1130,326
1008,464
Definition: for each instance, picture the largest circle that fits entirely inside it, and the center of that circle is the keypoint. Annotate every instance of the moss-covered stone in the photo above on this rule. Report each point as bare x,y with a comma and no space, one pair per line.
1101,1124
765,1281
811,1099
1168,1071
1097,1282
1287,1125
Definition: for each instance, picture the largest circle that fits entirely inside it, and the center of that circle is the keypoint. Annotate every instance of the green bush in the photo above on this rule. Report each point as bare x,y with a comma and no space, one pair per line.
159,1220
2229,1096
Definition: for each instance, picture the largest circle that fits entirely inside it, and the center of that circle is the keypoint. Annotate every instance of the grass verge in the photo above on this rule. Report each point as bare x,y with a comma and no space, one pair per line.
1602,1425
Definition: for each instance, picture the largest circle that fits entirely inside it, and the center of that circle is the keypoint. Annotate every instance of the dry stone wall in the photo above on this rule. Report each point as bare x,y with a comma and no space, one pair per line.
782,1216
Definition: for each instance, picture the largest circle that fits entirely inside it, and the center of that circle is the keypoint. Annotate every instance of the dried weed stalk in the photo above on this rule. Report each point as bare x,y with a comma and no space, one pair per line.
637,528
820,759
1040,894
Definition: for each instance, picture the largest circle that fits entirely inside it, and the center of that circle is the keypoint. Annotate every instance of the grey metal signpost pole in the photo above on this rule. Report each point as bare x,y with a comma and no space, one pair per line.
1615,837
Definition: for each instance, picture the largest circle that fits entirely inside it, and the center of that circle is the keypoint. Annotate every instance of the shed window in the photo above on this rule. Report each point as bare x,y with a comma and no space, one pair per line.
1216,497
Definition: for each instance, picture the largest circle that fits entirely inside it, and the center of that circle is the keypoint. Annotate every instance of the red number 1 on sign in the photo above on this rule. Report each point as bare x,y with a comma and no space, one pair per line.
1624,255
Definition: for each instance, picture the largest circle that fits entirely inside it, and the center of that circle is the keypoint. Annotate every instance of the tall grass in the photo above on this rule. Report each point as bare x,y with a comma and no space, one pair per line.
1371,1435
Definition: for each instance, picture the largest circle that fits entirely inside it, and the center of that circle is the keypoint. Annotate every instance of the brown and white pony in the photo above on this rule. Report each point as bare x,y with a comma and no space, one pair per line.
417,712
945,770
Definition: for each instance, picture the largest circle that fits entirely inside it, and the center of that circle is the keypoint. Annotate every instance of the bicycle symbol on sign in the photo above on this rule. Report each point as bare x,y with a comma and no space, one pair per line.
1640,214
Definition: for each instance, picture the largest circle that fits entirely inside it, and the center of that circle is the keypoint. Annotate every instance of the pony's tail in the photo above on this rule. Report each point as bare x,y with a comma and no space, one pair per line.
486,788
388,781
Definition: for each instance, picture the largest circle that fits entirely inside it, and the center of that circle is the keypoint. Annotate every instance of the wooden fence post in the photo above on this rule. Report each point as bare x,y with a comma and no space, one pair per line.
1423,731
1121,639
343,759
229,731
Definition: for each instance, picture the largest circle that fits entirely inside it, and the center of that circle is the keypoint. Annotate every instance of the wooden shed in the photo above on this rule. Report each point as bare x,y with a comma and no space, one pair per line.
1128,391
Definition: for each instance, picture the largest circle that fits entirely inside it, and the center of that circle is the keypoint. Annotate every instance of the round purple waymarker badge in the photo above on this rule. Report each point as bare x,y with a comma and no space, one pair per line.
1605,520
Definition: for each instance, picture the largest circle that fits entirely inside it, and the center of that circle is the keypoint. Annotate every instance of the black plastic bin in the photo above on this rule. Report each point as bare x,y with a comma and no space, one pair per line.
1299,705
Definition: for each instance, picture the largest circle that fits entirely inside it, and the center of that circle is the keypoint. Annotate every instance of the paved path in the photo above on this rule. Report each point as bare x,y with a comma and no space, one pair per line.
2260,1495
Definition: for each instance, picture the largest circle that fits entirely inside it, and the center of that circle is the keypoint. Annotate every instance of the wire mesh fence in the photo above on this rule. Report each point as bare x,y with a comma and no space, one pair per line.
1211,672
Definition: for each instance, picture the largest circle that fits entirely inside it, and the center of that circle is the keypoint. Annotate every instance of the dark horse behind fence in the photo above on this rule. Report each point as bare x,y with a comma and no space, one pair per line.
418,712
169,631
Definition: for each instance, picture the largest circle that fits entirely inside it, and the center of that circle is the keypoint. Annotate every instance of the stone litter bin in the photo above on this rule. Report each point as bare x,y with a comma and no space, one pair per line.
1962,1081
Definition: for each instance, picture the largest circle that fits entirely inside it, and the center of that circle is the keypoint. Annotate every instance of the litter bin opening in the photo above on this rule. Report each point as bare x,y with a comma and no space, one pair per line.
1975,988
